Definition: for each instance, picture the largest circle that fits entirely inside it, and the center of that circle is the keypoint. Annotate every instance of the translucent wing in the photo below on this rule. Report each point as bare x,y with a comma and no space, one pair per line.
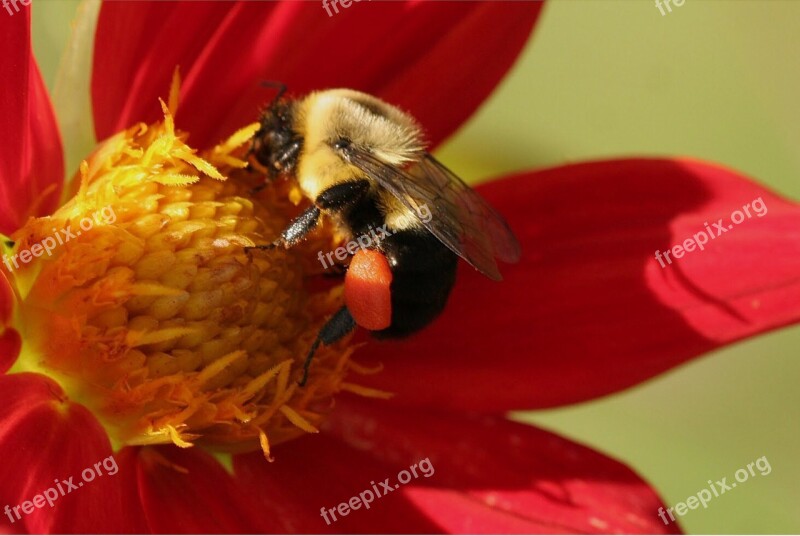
461,219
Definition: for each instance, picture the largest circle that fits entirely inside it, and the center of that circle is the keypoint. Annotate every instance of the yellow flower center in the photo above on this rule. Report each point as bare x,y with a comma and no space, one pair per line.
138,297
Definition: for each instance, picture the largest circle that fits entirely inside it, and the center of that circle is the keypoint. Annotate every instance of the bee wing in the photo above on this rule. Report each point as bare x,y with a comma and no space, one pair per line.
460,218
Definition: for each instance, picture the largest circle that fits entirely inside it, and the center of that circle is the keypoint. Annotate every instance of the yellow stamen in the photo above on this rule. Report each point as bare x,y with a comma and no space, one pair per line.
174,91
298,420
155,317
365,391
264,443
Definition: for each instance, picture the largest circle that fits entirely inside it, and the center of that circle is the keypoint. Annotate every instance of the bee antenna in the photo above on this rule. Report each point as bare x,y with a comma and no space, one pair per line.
280,86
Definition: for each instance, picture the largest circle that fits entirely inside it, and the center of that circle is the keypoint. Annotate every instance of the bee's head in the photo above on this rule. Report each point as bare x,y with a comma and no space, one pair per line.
275,144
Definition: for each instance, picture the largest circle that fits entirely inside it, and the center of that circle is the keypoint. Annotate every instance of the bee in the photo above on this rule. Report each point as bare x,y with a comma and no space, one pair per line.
363,163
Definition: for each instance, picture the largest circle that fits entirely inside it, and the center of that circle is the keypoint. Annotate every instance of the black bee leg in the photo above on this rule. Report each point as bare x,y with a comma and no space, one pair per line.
339,325
260,247
342,195
336,270
300,227
254,191
295,232
283,161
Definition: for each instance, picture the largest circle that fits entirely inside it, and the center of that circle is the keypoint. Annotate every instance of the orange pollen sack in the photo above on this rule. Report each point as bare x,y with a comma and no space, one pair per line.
367,290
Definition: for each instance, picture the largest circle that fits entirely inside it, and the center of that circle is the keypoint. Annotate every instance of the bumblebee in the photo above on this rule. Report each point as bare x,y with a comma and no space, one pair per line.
363,163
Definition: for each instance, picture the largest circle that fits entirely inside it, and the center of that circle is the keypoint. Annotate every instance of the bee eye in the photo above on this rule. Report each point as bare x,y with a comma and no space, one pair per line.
341,144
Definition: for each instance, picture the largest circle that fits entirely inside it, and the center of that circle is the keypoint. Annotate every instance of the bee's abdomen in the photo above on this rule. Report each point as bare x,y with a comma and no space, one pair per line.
423,273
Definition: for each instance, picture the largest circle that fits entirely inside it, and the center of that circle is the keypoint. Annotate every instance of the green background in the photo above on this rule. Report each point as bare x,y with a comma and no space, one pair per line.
714,79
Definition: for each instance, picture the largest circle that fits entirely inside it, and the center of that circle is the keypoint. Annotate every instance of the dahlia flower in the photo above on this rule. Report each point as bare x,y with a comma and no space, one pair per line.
138,340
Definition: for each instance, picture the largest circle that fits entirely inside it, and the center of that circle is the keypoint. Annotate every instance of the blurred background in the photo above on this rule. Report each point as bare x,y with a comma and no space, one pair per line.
714,79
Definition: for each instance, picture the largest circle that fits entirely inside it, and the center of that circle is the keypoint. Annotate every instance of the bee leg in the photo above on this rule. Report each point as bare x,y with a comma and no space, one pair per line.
339,325
284,160
295,232
336,270
260,247
300,227
254,191
343,195
335,198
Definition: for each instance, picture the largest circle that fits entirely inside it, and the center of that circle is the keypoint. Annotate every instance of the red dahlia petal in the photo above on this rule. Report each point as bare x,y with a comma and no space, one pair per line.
51,441
10,341
439,60
31,165
484,475
187,491
589,310
10,345
6,298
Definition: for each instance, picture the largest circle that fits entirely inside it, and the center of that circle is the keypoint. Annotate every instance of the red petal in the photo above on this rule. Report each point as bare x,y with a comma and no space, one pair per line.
187,491
485,475
6,298
589,311
10,341
51,439
31,165
10,345
418,55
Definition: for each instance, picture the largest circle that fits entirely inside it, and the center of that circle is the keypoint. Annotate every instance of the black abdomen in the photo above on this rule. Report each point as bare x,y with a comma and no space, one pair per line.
423,273
423,269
